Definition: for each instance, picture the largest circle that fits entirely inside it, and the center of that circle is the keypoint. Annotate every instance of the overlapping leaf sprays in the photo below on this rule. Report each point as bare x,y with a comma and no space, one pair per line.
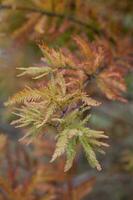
63,100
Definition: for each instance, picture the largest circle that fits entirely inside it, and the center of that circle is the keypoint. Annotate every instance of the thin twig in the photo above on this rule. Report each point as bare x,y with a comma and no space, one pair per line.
51,14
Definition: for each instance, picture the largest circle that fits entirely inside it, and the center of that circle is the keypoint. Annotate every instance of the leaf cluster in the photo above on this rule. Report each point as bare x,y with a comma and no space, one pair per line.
61,106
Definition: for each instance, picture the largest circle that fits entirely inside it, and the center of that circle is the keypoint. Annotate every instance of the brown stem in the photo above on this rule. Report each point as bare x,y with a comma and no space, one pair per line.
50,14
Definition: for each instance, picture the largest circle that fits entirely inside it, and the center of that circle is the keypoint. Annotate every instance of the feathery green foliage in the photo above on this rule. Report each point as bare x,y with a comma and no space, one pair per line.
74,132
61,105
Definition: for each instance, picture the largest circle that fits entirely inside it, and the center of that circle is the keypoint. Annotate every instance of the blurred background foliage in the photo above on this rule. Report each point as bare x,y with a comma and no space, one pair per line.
110,21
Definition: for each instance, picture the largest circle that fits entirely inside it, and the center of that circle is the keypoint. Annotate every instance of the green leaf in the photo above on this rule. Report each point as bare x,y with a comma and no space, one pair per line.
70,154
61,144
90,154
